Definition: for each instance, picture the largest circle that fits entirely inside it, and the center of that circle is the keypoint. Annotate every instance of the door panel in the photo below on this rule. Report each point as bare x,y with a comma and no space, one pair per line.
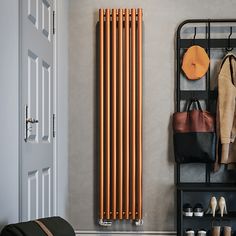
33,12
46,101
33,193
32,86
37,95
46,21
46,197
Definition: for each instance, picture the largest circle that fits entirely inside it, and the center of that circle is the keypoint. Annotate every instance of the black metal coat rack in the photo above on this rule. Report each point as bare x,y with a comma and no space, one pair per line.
208,43
195,192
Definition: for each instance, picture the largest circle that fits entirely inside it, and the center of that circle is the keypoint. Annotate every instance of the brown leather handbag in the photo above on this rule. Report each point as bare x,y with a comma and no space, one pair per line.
194,135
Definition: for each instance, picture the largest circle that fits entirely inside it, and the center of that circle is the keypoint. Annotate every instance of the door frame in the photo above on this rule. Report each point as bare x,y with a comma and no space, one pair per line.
55,109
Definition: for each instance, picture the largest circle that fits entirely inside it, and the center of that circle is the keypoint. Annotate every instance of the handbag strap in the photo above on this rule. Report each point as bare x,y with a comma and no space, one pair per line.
44,228
194,100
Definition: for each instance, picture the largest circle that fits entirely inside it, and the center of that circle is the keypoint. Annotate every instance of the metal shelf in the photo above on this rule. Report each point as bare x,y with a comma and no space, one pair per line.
228,216
199,94
215,43
206,187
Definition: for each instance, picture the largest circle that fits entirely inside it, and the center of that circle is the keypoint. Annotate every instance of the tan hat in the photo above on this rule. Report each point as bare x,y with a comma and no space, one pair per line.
195,62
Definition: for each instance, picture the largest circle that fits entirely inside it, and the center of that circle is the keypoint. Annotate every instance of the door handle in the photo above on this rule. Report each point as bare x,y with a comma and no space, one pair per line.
31,120
28,120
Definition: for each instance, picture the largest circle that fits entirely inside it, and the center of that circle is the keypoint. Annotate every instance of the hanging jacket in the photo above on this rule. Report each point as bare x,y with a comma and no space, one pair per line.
226,116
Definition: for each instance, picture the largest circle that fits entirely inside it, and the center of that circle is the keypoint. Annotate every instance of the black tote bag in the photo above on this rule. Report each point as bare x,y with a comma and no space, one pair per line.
194,135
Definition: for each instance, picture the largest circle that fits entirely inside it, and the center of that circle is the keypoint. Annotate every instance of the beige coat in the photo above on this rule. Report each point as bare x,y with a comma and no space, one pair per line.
227,109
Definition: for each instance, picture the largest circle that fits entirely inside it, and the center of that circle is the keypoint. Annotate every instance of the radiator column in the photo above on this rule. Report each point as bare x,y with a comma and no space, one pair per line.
113,107
126,118
139,116
101,114
107,114
133,113
120,114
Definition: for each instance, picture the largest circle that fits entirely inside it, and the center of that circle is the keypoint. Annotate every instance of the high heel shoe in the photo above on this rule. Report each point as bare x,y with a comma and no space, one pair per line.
189,232
227,231
202,232
212,206
222,206
215,231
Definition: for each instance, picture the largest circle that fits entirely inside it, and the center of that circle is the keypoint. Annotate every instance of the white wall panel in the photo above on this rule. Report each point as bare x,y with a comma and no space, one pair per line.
9,118
62,101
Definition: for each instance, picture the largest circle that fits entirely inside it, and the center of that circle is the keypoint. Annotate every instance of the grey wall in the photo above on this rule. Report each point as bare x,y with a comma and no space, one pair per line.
9,118
161,18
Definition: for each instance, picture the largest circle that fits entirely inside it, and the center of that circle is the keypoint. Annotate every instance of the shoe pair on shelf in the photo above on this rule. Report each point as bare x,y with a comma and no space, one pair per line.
190,232
214,207
196,211
216,230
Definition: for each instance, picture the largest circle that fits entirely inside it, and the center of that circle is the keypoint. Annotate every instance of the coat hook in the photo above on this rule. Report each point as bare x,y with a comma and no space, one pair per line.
194,36
229,48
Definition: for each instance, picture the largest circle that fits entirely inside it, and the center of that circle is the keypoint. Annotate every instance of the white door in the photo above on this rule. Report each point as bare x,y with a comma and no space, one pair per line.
37,105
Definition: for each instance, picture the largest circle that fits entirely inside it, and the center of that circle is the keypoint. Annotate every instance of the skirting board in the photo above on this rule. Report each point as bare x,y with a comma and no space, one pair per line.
125,233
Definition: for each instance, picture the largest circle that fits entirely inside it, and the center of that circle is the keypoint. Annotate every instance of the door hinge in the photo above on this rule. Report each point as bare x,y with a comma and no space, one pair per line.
53,126
53,22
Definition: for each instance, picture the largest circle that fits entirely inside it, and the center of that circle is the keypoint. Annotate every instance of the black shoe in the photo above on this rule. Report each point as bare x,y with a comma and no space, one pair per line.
187,210
198,210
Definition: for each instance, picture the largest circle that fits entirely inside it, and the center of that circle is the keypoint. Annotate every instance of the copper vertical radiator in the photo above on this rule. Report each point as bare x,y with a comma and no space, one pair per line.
120,115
